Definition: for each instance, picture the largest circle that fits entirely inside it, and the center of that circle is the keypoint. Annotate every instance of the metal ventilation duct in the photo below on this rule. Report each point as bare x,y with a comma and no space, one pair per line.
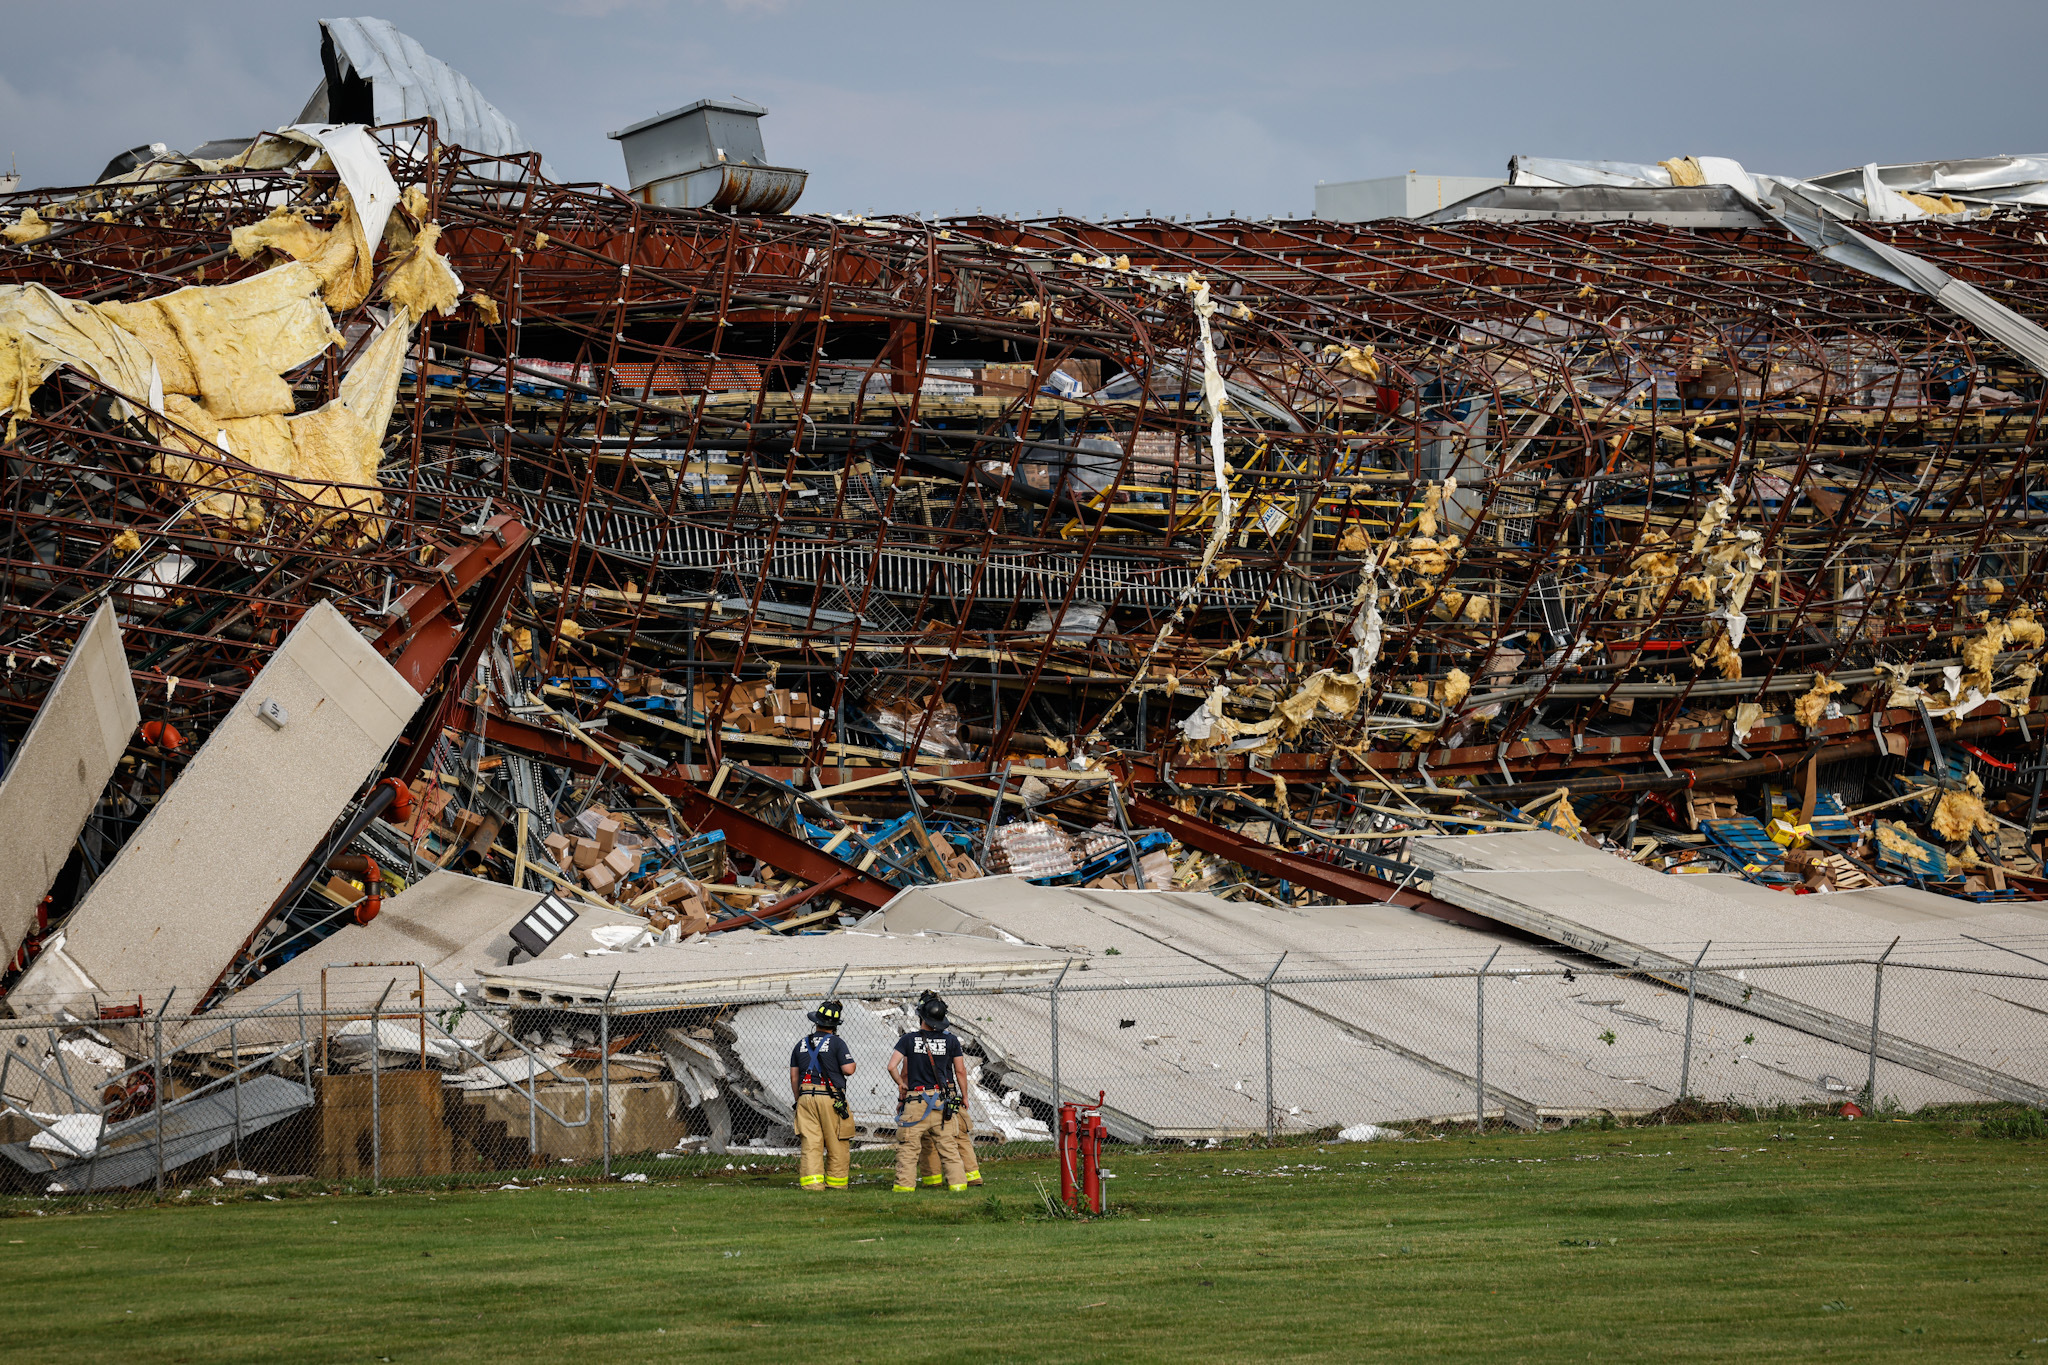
707,155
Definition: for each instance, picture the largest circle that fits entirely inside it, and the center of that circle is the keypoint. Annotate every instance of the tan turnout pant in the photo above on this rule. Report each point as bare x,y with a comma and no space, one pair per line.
922,1116
960,1133
827,1157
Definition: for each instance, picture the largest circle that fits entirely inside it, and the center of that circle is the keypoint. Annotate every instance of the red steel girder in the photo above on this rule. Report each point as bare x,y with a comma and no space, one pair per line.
1329,879
425,624
753,837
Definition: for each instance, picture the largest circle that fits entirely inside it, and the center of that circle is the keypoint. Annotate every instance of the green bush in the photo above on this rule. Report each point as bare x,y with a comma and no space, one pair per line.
2024,1125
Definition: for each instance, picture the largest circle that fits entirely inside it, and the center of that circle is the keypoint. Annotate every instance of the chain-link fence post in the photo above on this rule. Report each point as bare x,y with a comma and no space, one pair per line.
235,1064
1056,1092
1479,1049
1266,989
1692,992
156,1088
376,1100
1876,1000
604,1068
376,1085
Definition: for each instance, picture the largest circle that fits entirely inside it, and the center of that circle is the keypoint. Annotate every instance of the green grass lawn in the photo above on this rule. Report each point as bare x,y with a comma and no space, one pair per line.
1713,1241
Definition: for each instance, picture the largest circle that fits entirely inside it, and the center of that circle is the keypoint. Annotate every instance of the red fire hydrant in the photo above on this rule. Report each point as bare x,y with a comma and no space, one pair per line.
1080,1151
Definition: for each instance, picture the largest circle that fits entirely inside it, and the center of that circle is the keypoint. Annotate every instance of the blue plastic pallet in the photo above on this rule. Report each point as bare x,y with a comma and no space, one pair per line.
1754,852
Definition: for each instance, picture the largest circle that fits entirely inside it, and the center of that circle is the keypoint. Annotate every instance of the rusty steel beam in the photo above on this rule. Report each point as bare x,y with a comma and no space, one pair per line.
1347,885
754,837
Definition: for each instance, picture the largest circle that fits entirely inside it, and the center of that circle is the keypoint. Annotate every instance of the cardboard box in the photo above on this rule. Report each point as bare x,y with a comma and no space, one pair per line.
621,861
588,854
599,879
428,802
606,832
559,848
681,889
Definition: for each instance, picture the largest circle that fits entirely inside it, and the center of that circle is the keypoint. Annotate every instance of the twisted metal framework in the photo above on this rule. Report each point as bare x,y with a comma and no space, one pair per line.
1574,491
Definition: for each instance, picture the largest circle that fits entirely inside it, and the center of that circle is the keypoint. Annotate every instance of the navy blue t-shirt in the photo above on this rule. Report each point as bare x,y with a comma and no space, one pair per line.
833,1055
929,1058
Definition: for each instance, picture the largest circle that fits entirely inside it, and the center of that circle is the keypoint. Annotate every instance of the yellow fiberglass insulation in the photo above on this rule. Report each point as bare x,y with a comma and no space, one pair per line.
1654,557
285,230
1684,170
1715,649
20,372
1810,708
1453,690
198,431
1337,693
2021,629
147,324
1980,656
75,334
340,258
343,441
424,282
231,344
31,228
1960,815
338,443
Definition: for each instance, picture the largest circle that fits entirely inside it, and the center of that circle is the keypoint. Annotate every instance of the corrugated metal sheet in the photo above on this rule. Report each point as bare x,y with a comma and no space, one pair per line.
406,82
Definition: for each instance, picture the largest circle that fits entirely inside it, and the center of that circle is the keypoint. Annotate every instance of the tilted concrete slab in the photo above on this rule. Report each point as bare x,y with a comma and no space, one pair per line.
456,927
1547,1048
210,861
1983,1033
60,769
741,966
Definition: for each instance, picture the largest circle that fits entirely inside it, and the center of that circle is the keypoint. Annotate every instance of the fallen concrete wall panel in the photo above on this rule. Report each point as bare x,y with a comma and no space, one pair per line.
60,770
737,967
191,1129
1555,1046
456,927
1613,910
208,864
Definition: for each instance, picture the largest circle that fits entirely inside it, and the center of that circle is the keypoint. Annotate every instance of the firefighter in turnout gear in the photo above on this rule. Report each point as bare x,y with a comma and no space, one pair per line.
930,1070
960,1133
818,1068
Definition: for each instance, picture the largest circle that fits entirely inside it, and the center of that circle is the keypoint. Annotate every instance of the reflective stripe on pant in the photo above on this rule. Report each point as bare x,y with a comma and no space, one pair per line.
915,1121
826,1156
960,1135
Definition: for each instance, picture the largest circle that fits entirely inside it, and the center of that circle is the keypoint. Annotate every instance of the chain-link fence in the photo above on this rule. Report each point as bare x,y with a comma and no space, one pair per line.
389,1077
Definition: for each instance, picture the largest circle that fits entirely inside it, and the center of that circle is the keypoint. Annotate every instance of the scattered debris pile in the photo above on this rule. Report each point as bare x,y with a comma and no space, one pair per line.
712,571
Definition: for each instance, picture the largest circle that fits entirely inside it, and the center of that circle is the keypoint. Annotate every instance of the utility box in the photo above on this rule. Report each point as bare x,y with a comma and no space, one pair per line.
1396,196
707,155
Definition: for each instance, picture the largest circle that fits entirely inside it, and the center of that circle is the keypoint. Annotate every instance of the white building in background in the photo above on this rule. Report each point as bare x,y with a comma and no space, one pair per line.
1396,196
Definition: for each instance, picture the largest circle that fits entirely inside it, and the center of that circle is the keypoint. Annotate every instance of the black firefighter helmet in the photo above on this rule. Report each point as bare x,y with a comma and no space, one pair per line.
931,1009
827,1015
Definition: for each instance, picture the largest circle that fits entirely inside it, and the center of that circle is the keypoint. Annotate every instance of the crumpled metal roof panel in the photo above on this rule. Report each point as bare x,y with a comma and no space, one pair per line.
408,82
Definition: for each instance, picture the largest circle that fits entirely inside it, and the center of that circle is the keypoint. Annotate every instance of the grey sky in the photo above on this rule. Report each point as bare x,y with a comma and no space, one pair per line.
1098,108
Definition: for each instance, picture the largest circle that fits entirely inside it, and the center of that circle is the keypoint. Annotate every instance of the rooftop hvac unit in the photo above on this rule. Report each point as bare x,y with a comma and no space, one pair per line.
707,155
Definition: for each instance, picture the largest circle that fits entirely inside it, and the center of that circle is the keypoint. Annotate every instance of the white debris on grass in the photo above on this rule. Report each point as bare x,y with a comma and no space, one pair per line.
1367,1132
